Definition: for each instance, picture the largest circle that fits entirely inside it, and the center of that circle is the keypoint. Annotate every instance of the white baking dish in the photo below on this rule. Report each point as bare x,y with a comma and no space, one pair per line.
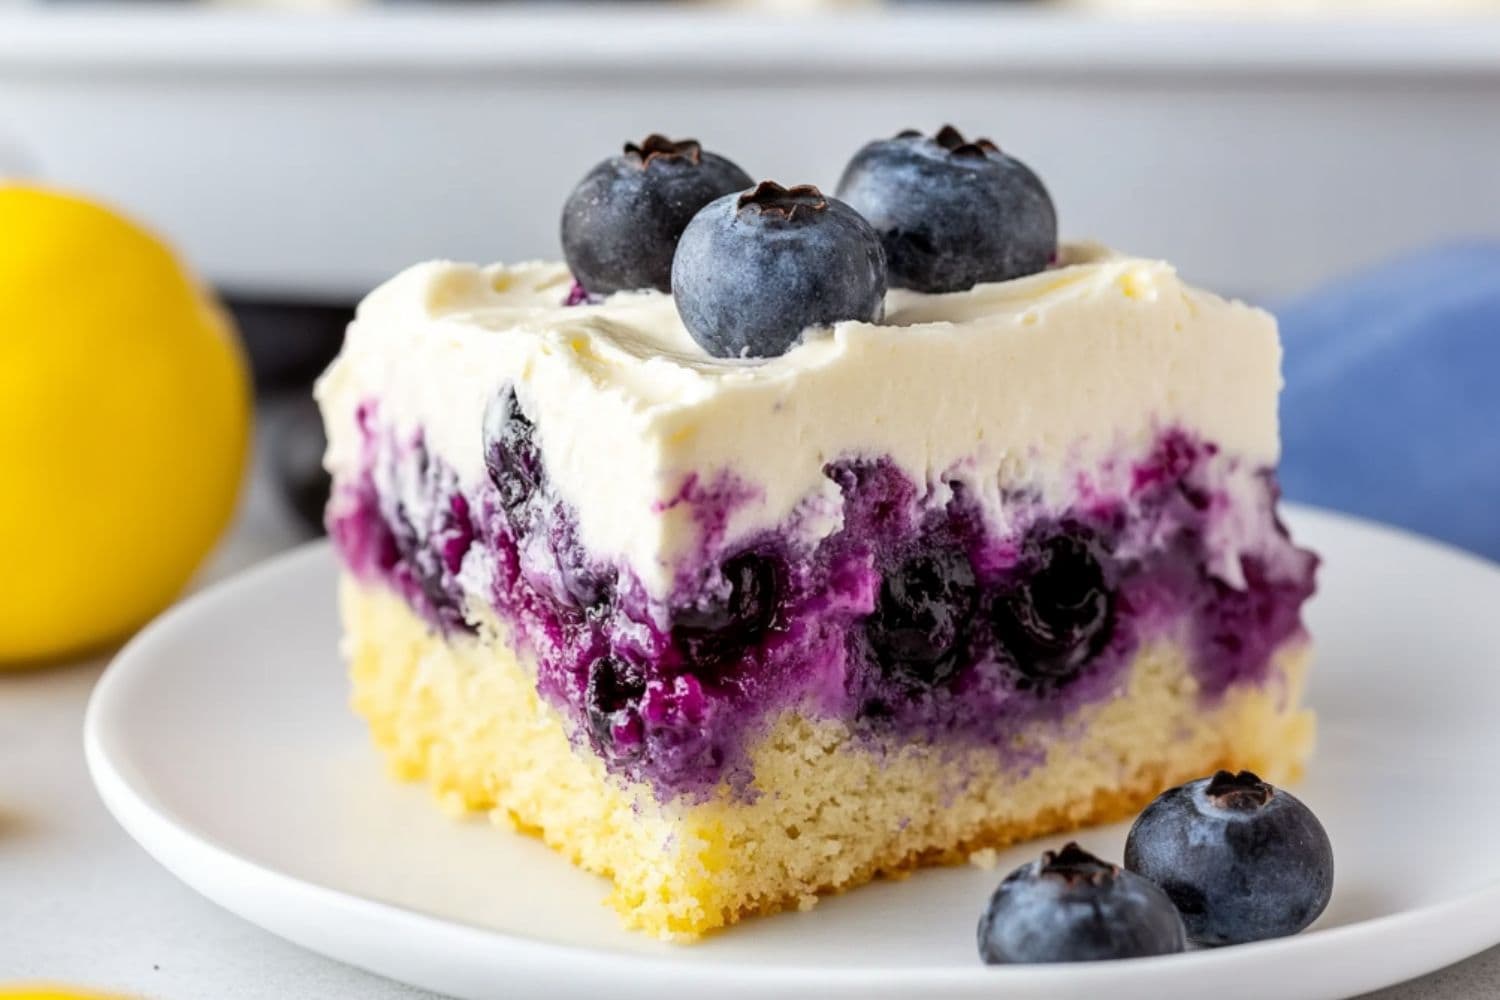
314,155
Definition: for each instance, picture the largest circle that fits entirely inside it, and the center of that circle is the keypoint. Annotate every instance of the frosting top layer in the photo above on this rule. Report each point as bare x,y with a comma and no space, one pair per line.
1034,381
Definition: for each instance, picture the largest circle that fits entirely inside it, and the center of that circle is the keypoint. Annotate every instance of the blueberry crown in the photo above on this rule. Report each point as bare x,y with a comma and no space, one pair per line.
1243,792
1073,864
954,142
658,147
770,198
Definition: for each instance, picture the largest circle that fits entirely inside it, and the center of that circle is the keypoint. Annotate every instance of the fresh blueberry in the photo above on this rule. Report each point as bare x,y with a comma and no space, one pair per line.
1060,612
917,629
756,269
1072,907
612,703
735,615
1242,860
510,451
621,224
951,213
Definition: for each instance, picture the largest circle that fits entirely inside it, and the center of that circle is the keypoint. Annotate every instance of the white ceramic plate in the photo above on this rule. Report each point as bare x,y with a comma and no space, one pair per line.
221,740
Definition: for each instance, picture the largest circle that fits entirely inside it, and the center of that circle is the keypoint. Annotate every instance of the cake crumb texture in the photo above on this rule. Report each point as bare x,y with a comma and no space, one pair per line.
831,811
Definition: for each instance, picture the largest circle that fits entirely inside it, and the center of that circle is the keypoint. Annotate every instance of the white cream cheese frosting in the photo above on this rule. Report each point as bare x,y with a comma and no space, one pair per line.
1044,381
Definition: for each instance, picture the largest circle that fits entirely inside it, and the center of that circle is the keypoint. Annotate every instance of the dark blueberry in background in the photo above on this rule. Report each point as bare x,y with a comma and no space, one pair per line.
1242,860
1060,613
917,629
297,444
1072,907
754,270
951,213
736,617
611,701
621,224
289,342
510,451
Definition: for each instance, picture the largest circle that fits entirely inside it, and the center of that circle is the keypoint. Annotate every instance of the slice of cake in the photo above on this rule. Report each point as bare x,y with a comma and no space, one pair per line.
736,631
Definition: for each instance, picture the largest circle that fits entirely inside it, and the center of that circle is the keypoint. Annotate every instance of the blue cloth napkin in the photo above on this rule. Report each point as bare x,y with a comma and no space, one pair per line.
1392,402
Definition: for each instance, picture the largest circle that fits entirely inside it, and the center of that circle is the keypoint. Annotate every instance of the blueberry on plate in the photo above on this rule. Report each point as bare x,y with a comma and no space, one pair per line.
1242,860
621,224
1072,907
756,269
951,213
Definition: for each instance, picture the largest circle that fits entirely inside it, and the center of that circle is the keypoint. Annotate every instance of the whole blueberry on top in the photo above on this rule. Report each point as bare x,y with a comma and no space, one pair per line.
621,224
951,213
1242,860
1072,907
754,270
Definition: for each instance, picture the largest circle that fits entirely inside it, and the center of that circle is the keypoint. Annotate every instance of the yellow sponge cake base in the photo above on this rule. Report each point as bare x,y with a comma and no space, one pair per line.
463,713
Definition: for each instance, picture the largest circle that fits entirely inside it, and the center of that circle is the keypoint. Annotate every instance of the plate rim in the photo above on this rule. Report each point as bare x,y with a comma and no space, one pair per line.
212,868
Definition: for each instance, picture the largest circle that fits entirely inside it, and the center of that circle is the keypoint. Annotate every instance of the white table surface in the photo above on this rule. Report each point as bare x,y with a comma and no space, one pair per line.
80,903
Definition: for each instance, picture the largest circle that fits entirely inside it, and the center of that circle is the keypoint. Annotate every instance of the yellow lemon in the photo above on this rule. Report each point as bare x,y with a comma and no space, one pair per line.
46,993
124,422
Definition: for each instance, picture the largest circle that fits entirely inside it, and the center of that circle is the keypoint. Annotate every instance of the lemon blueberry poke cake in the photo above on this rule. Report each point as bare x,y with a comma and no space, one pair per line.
781,540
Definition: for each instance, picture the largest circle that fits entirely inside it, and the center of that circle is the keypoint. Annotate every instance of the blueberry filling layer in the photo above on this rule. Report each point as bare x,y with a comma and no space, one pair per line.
916,620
